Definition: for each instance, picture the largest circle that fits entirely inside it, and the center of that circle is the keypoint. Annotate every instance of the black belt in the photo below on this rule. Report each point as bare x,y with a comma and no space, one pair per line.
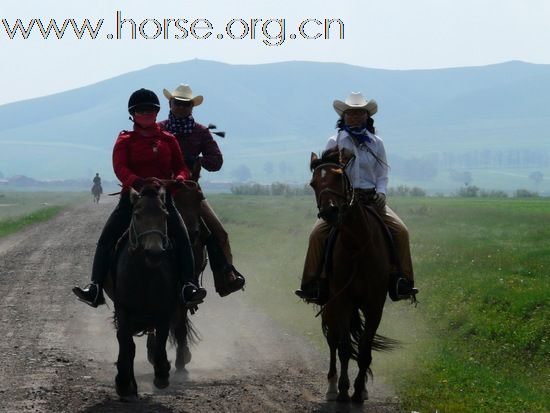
368,191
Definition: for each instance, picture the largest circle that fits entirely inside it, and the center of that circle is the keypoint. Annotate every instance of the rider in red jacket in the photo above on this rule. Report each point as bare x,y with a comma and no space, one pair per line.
145,153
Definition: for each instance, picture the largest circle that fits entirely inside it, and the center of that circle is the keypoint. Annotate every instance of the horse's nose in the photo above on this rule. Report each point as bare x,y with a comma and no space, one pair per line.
154,255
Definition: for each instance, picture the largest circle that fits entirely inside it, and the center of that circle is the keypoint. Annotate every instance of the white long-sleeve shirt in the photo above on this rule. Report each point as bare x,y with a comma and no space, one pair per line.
364,171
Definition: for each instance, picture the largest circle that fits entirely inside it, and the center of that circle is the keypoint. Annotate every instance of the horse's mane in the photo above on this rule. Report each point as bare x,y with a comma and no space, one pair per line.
150,190
328,156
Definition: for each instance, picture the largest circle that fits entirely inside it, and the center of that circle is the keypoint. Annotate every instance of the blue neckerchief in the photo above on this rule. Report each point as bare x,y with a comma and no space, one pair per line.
359,133
179,125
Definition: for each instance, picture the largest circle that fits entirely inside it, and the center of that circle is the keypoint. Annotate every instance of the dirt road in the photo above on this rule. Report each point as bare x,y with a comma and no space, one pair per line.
57,354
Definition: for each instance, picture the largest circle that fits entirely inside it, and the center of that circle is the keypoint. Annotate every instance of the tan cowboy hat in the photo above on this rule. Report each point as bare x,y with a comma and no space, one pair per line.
355,101
183,92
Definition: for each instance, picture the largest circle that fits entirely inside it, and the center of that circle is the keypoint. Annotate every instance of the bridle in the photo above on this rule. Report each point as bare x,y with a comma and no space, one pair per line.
346,193
134,237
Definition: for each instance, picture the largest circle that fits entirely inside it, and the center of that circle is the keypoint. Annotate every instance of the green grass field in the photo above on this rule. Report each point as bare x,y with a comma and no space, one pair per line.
19,209
479,339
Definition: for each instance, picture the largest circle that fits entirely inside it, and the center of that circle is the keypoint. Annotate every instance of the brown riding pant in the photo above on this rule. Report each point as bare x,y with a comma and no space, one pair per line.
319,235
215,226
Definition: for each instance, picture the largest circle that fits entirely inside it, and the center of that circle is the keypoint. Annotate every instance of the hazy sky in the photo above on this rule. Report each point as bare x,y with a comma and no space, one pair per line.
394,34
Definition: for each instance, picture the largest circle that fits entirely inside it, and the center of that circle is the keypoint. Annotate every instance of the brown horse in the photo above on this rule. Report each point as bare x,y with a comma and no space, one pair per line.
187,199
143,288
358,270
96,192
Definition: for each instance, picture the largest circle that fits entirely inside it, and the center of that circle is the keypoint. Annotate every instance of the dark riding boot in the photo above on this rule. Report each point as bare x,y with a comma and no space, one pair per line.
227,279
91,295
402,288
191,294
315,292
115,226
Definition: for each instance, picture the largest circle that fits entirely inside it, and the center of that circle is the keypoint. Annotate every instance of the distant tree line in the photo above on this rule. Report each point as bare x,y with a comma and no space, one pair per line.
493,158
404,190
472,191
274,189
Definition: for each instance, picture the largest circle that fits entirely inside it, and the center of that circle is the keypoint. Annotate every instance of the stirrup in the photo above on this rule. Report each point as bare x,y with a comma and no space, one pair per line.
82,295
396,295
310,297
198,296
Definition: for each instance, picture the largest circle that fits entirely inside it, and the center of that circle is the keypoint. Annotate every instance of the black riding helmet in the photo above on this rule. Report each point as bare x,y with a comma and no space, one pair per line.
143,99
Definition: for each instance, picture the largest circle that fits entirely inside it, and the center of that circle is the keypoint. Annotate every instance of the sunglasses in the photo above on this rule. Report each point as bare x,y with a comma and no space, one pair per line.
182,103
355,112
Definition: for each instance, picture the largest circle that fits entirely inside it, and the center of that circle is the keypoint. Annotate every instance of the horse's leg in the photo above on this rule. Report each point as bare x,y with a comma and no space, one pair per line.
183,355
126,386
151,347
332,376
344,354
373,315
162,365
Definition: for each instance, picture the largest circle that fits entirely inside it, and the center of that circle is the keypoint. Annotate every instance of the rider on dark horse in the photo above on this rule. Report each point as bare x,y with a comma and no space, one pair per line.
198,145
144,154
368,173
97,182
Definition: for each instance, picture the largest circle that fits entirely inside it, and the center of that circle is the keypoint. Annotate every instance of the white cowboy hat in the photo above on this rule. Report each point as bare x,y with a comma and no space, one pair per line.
355,101
183,92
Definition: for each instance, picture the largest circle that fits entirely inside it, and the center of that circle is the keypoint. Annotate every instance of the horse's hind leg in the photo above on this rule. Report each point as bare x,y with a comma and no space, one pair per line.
372,319
344,354
183,355
151,347
126,386
161,364
332,376
364,360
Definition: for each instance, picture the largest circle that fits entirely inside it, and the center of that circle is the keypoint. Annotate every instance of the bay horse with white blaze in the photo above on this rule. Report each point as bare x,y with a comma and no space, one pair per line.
357,267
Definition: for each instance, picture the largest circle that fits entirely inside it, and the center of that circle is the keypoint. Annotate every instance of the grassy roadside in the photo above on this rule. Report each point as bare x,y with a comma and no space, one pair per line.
20,209
479,340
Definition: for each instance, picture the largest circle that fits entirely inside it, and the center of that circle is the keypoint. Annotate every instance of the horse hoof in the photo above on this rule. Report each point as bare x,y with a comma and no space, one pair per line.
331,396
130,398
360,397
343,397
161,383
183,358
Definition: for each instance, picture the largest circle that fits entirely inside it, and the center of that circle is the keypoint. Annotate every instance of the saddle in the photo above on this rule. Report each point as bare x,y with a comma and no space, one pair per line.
365,199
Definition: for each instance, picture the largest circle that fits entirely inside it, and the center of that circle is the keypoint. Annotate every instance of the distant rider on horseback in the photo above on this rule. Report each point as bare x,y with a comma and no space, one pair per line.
198,145
144,154
368,173
97,182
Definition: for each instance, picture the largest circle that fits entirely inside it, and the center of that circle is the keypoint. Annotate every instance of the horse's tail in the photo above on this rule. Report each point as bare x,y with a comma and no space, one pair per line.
382,343
379,342
192,334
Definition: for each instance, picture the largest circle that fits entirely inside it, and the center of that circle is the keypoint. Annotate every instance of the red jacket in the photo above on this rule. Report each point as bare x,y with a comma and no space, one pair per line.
137,156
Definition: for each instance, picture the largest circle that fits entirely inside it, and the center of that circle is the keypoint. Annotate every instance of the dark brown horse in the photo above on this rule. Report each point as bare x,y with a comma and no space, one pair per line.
358,271
96,192
187,199
143,288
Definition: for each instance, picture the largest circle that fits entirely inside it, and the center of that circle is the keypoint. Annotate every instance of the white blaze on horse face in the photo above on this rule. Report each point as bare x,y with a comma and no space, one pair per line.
323,173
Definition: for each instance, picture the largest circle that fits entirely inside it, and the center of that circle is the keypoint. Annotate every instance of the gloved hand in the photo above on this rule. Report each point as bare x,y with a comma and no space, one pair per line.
155,181
379,200
138,184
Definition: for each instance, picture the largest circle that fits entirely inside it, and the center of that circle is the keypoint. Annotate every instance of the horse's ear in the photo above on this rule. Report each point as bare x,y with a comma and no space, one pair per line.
314,157
196,170
134,195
